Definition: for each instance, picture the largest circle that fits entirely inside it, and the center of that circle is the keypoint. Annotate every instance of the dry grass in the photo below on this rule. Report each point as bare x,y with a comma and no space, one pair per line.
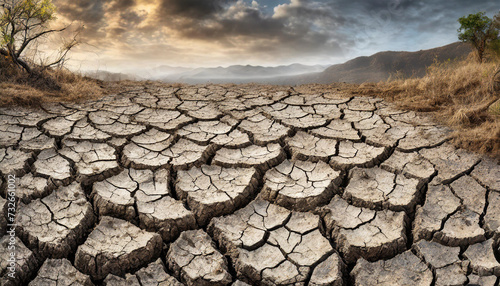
17,88
458,94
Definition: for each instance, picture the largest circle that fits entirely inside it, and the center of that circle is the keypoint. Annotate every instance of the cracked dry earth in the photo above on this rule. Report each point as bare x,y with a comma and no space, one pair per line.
244,185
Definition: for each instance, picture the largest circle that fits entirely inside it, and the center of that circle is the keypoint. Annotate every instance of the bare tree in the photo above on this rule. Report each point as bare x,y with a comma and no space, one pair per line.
22,24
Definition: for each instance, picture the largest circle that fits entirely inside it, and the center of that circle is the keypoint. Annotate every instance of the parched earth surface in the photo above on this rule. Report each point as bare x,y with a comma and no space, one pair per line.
243,185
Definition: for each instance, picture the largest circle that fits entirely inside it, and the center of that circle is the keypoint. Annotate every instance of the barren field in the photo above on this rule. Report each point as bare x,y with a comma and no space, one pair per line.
235,185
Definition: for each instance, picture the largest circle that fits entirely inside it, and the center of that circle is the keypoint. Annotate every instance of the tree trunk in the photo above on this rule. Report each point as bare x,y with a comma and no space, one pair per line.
480,53
24,65
16,61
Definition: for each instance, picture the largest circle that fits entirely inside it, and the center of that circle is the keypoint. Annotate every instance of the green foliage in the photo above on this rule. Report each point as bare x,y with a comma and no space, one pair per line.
474,28
5,39
478,30
21,17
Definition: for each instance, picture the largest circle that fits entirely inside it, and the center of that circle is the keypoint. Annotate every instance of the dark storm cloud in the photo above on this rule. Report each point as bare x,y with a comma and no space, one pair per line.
249,23
195,9
92,14
120,5
87,11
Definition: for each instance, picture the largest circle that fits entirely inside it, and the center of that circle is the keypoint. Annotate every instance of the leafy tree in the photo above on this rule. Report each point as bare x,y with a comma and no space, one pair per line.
478,30
22,24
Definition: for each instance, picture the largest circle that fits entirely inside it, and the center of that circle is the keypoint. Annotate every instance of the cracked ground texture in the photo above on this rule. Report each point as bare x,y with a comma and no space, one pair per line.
243,185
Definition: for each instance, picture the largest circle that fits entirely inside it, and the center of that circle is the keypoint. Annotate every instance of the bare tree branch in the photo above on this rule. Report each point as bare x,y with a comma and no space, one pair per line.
65,52
31,39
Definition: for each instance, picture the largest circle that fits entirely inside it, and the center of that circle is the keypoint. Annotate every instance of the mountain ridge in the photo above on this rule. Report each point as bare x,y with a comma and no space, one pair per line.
382,65
377,67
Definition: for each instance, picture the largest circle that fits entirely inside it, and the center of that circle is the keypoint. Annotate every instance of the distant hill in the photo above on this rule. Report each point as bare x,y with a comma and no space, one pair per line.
230,74
381,66
157,73
240,73
110,76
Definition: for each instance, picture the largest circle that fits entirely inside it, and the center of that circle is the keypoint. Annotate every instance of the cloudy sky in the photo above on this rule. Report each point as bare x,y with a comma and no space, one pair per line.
123,35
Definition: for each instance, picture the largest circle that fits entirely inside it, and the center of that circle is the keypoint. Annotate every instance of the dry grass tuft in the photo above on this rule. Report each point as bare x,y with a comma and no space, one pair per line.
459,94
17,88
